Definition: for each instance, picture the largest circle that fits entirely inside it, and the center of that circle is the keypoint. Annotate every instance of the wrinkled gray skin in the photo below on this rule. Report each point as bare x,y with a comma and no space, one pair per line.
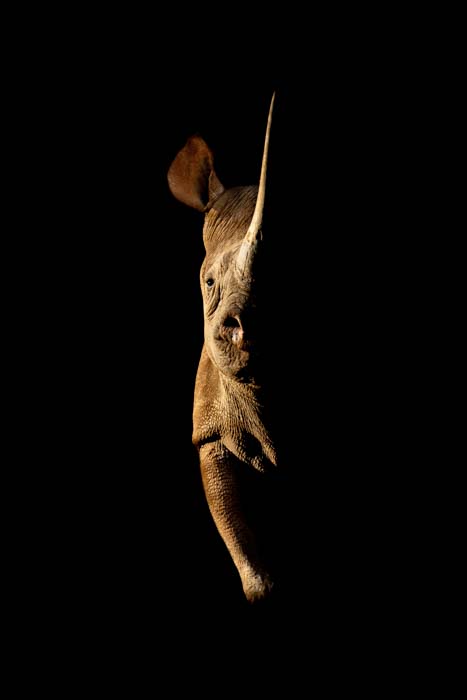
229,429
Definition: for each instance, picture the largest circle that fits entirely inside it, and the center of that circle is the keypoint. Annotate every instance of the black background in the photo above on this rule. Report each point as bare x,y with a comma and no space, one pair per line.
130,557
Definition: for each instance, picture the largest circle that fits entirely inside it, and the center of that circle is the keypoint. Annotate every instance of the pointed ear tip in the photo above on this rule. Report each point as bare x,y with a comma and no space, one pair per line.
197,141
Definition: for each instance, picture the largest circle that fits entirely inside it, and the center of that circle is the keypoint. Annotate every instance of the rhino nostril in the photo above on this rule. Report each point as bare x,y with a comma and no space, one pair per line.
233,328
232,322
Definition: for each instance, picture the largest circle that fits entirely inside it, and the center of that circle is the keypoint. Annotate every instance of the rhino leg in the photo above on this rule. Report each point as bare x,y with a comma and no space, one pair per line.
222,493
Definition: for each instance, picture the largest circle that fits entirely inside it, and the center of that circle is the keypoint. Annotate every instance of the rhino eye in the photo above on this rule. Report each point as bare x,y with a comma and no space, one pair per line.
209,281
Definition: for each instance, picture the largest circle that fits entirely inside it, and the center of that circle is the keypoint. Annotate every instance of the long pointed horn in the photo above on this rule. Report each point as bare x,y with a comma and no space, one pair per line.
254,229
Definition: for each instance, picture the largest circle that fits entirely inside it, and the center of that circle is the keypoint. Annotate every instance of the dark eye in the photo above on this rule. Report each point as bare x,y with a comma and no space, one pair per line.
209,281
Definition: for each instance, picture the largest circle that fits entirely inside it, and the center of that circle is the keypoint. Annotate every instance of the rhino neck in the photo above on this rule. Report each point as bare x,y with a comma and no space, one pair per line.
234,413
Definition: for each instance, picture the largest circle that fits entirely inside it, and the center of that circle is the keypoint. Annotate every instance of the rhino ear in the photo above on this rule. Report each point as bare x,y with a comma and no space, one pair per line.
192,179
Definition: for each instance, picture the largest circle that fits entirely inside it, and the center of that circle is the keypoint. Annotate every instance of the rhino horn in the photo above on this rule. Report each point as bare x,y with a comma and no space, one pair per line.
253,235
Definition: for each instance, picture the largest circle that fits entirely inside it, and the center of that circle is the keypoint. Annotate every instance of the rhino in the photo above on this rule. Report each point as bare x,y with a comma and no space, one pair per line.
231,432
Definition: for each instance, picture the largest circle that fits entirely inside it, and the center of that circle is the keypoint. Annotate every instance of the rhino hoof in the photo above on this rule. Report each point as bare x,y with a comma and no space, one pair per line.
257,587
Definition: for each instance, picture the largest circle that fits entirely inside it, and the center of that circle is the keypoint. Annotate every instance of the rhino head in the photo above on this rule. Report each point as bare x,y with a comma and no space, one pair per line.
229,426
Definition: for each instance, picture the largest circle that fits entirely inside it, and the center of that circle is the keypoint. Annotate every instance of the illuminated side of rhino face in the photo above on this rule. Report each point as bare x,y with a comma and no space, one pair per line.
228,284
